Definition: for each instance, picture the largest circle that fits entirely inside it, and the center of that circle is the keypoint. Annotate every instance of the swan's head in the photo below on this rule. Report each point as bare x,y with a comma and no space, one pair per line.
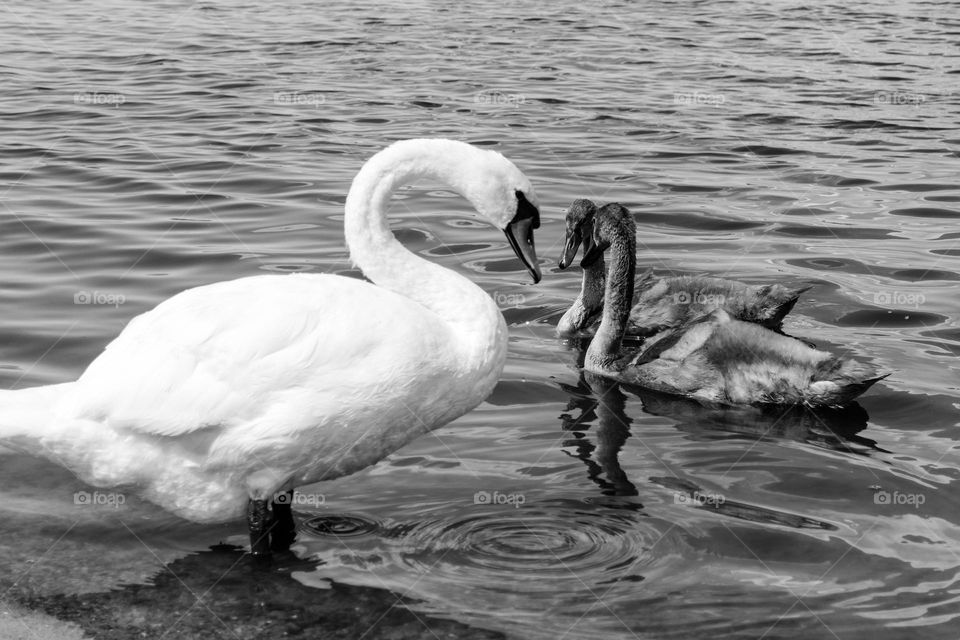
579,223
495,187
502,194
612,224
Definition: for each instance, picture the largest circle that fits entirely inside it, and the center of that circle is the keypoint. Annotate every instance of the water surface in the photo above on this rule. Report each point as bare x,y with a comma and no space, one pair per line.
150,148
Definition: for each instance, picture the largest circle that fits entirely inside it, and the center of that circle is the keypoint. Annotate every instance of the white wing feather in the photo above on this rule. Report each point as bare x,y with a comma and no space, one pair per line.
219,355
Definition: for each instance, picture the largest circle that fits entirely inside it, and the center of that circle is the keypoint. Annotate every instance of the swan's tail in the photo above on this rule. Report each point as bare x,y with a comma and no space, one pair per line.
841,380
28,415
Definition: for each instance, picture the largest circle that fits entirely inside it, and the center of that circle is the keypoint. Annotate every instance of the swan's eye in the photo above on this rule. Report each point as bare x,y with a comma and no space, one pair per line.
526,210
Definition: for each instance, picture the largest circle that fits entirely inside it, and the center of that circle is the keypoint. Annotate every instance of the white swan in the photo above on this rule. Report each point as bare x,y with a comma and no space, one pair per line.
226,394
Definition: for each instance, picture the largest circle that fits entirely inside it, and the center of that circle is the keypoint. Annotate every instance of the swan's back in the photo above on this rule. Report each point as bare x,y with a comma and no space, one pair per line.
671,302
721,359
248,362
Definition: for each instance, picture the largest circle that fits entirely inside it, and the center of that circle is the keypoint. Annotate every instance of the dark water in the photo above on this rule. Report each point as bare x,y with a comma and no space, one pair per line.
153,147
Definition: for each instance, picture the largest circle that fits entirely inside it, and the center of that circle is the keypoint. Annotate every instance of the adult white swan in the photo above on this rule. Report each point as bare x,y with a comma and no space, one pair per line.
227,394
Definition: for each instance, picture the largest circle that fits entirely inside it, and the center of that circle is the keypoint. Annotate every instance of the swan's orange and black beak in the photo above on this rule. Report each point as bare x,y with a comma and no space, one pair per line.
520,235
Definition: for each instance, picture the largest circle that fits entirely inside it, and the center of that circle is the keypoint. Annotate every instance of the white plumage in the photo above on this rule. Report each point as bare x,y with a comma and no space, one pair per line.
241,389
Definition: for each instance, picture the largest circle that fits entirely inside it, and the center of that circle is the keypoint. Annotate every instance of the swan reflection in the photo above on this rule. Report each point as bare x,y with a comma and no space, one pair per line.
600,405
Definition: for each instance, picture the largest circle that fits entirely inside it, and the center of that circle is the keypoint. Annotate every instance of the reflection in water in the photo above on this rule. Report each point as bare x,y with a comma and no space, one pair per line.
834,428
602,401
219,593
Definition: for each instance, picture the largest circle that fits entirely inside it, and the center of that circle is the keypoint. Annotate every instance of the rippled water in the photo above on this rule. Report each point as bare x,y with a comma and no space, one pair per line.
149,148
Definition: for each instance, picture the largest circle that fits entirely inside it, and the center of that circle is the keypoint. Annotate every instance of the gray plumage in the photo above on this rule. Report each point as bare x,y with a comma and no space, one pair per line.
714,357
663,303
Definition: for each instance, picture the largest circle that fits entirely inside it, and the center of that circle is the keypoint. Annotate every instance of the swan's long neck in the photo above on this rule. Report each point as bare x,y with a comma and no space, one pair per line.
588,303
618,297
467,309
591,288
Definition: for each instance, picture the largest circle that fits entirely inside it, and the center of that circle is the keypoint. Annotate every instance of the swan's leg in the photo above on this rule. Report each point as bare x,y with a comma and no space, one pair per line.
261,487
283,529
258,521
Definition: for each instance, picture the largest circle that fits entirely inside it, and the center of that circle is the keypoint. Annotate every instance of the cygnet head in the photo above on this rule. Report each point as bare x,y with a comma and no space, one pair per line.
579,223
612,223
